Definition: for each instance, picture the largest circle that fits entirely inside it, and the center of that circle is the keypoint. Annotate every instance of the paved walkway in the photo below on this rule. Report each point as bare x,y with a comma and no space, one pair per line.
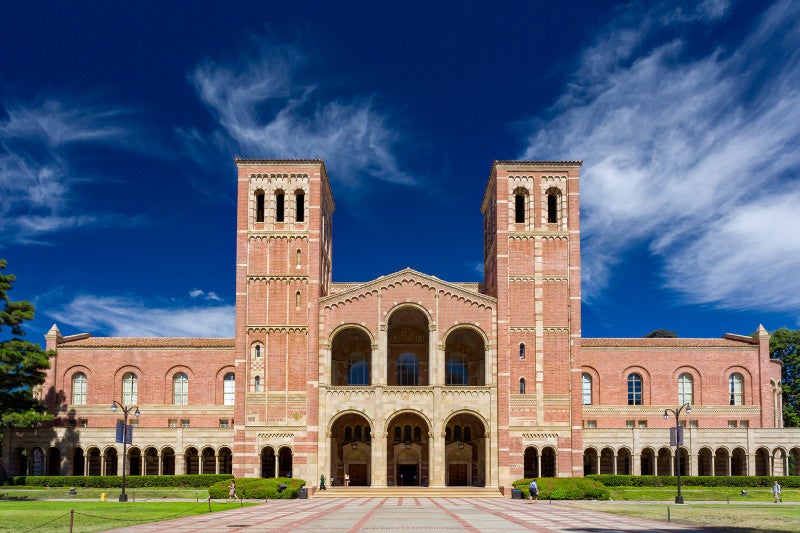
373,515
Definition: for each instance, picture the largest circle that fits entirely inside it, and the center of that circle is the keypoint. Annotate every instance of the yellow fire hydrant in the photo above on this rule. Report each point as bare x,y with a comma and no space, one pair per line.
102,496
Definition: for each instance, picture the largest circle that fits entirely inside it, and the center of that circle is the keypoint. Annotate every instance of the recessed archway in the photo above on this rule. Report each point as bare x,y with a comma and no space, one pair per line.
465,454
408,450
351,450
408,363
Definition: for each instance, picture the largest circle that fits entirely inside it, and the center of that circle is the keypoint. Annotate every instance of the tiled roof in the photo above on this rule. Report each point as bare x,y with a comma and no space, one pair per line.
662,343
148,342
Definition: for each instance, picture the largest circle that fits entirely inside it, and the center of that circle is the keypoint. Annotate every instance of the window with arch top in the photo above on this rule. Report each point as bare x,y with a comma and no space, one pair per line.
130,389
229,389
522,385
634,389
300,206
736,389
552,207
79,388
259,206
456,369
685,389
180,389
586,389
279,206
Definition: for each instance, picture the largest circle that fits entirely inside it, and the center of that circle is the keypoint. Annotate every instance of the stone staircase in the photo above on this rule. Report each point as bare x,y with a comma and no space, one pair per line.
407,492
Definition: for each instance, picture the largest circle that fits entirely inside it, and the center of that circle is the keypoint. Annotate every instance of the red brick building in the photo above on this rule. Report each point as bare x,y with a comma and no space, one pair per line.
408,379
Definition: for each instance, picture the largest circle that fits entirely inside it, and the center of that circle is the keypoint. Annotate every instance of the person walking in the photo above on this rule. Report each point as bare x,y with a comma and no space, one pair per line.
322,482
776,491
533,491
232,491
346,479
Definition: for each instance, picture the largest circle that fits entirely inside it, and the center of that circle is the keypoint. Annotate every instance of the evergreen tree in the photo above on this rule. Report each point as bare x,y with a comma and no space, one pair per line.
784,345
22,363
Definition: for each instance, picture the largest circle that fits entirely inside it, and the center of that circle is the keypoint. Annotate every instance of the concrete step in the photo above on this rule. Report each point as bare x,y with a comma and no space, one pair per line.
408,492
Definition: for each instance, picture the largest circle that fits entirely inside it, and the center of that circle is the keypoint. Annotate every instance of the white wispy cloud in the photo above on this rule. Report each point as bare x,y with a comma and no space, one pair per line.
266,108
125,317
203,295
37,175
695,155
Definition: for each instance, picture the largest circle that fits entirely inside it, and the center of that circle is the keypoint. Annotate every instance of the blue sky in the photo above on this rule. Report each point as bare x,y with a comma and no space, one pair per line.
119,123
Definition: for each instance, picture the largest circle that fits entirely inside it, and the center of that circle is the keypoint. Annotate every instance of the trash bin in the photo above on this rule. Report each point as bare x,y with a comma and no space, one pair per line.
302,493
102,496
516,494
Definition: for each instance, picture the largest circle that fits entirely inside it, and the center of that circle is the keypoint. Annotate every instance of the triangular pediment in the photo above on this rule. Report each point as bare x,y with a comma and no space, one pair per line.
408,275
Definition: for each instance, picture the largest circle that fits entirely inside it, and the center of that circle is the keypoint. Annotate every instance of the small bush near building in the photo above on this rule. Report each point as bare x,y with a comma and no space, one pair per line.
610,480
565,488
131,482
258,488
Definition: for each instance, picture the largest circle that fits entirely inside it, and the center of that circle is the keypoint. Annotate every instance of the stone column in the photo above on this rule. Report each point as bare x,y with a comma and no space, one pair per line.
277,463
597,464
120,464
614,466
378,460
436,460
180,463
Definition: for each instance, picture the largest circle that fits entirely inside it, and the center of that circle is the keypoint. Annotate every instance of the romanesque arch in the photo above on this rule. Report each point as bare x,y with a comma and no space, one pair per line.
465,450
351,357
408,357
465,357
408,450
351,449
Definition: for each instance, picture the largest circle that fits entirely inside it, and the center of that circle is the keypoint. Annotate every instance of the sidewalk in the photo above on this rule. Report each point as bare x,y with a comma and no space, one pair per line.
407,514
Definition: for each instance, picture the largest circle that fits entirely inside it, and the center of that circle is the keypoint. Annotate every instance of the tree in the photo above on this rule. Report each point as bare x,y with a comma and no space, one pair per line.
22,363
661,334
784,345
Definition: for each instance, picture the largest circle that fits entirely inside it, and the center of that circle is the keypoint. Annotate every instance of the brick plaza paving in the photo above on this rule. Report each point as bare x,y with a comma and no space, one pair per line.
374,515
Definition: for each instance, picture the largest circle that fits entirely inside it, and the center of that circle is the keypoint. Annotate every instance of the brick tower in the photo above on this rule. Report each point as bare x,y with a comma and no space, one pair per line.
283,267
532,267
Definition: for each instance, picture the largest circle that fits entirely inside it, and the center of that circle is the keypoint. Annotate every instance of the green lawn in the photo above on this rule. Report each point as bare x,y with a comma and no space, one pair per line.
89,493
88,516
700,494
734,517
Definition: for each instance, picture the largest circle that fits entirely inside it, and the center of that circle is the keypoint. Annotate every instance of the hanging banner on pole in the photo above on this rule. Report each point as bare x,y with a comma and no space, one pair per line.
119,432
676,436
127,431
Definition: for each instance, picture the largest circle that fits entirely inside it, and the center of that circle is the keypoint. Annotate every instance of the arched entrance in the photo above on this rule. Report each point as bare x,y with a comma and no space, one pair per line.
285,462
408,358
53,461
78,466
268,462
464,451
168,461
648,462
589,462
110,459
407,450
351,450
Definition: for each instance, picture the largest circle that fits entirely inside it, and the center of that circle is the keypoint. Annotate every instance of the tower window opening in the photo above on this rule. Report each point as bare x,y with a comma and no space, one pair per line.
259,206
300,202
279,210
552,208
519,208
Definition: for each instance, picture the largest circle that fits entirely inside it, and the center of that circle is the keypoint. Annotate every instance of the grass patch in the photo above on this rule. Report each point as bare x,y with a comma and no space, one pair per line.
700,494
91,493
54,516
738,518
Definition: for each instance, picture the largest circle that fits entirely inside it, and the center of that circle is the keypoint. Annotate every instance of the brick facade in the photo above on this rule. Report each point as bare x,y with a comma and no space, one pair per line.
408,379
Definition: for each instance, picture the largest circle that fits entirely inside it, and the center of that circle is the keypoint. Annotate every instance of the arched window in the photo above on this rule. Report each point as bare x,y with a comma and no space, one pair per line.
736,388
586,389
456,369
180,389
358,371
522,350
259,206
297,300
407,369
552,207
519,208
417,434
257,384
685,389
79,388
130,389
398,434
634,389
229,388
300,206
279,208
257,351
348,433
522,385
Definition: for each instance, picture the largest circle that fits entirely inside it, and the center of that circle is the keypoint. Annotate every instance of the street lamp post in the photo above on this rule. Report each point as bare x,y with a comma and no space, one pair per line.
678,442
125,411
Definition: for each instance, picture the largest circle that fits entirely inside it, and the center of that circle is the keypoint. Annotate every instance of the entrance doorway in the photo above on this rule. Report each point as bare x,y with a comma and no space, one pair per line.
407,475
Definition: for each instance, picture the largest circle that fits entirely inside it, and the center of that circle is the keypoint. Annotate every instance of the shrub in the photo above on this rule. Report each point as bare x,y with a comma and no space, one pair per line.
695,481
565,488
258,488
133,482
